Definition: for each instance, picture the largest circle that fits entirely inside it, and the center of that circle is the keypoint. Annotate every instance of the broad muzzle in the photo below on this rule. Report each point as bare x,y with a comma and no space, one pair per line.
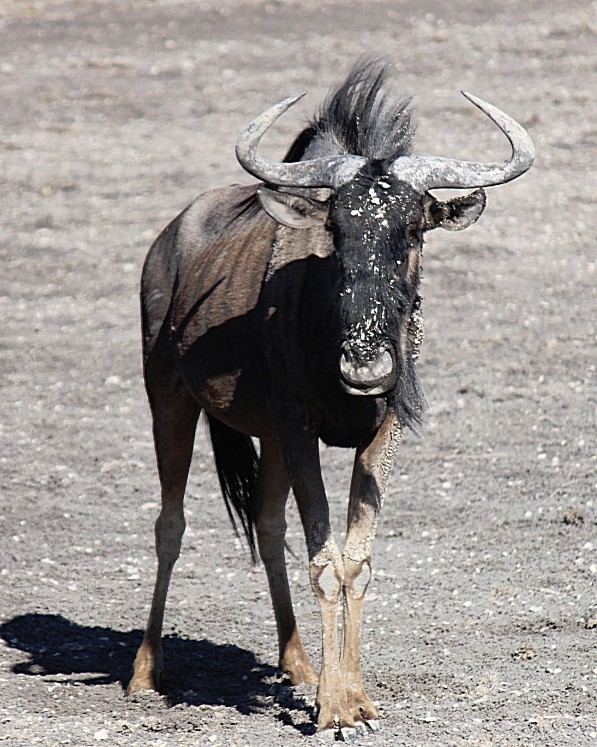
367,376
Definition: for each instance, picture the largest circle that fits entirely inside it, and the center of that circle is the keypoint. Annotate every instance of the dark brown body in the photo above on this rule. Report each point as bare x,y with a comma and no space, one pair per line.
242,336
201,313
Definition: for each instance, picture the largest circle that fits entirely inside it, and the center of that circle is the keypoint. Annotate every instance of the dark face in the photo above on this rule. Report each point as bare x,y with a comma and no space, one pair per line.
377,224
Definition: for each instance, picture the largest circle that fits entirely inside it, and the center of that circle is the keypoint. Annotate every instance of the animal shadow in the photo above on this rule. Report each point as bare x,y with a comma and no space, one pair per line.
197,672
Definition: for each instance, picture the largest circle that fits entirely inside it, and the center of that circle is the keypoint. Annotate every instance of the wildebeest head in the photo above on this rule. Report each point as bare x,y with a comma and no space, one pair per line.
352,168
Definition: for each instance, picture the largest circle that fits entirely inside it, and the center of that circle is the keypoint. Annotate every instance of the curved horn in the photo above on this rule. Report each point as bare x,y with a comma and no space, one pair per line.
427,172
332,171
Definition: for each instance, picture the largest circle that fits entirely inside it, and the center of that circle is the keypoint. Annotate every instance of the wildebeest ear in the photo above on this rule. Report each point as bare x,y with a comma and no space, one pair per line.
456,214
291,210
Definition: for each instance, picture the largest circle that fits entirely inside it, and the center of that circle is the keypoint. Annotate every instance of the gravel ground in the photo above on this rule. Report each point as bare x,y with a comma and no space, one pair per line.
481,622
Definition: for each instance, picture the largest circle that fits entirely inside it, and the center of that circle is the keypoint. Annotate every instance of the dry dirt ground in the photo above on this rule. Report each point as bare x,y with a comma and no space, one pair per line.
481,624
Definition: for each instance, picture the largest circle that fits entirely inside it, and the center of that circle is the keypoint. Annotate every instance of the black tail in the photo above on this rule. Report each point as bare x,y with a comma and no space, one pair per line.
236,463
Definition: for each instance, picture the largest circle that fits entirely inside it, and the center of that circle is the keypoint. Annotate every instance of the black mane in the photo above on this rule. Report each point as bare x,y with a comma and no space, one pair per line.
362,117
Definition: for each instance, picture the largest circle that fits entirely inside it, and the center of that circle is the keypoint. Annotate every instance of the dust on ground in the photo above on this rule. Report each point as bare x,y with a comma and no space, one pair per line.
480,624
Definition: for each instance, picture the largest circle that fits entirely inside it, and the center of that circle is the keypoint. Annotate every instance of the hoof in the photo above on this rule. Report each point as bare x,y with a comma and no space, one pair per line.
299,675
135,687
373,724
328,736
147,669
347,734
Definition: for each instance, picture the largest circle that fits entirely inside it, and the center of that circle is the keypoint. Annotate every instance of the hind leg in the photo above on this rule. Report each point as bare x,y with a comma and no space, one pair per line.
272,492
175,414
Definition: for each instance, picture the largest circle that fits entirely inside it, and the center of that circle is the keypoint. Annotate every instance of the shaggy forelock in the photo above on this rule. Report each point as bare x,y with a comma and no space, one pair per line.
363,117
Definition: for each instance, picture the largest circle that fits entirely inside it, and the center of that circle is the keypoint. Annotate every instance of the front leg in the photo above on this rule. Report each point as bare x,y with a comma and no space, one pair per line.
371,469
326,574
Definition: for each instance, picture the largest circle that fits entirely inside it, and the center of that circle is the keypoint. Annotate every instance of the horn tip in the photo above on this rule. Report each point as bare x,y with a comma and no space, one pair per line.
474,99
293,99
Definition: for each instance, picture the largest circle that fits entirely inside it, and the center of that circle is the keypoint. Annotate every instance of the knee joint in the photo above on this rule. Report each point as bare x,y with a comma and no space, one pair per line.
357,578
327,574
168,534
270,535
268,526
327,582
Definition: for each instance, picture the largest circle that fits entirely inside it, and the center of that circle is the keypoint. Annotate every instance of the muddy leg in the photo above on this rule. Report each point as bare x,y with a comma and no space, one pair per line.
371,470
272,492
175,415
326,572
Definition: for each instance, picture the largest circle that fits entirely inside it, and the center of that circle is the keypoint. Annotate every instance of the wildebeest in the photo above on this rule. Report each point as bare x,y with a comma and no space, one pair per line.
290,311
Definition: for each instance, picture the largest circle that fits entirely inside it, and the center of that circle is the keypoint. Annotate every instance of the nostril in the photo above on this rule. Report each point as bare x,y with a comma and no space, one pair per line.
385,364
366,374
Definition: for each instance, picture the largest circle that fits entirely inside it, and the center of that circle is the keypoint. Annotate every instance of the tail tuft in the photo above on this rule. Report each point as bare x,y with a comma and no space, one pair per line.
236,463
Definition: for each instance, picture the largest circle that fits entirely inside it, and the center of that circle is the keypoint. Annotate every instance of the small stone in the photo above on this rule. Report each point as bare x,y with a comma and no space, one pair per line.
524,653
573,517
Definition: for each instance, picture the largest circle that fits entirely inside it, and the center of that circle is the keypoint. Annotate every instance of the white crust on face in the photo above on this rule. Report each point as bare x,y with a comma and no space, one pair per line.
372,209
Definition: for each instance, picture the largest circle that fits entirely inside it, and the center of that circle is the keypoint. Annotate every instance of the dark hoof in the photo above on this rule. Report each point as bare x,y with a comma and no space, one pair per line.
344,734
373,724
